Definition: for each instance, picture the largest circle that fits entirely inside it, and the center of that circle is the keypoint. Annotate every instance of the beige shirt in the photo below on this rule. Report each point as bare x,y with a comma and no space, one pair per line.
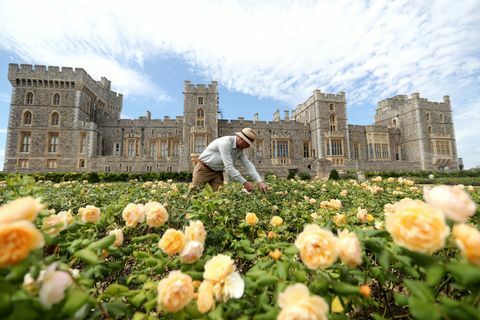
220,155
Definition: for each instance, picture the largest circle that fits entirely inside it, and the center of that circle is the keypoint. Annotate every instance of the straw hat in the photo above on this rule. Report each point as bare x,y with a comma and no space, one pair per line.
247,134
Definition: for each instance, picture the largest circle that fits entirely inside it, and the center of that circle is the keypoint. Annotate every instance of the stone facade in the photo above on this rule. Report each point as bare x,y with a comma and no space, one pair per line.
63,120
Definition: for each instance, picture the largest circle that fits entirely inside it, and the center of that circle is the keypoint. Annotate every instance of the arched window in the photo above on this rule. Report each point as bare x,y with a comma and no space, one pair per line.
200,117
443,130
428,116
394,122
56,99
27,118
429,129
29,98
54,119
333,122
442,117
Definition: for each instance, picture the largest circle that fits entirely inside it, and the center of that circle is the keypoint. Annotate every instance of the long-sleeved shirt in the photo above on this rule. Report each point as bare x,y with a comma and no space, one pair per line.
220,155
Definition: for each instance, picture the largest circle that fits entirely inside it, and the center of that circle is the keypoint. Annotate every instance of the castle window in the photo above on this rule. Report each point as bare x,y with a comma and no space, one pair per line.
51,163
131,148
259,148
443,130
280,148
27,118
56,99
152,149
25,139
332,107
428,116
356,150
429,129
442,117
117,149
442,148
23,163
83,142
54,119
378,146
333,122
29,98
394,122
199,144
164,149
306,149
81,163
169,168
53,142
200,101
175,150
200,118
334,147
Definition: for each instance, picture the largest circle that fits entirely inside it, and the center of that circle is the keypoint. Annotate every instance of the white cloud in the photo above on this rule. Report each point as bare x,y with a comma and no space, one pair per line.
4,97
282,49
3,131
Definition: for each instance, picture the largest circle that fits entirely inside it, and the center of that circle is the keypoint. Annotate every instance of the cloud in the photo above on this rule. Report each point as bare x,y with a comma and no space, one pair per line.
4,97
3,131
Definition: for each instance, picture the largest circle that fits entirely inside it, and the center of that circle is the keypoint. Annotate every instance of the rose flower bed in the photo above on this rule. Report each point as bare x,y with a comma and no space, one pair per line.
379,249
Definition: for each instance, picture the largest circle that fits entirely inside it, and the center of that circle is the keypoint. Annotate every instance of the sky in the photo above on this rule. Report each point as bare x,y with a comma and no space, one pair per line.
266,55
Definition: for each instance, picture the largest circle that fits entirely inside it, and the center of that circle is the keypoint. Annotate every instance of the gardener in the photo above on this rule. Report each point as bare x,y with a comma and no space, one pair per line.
219,156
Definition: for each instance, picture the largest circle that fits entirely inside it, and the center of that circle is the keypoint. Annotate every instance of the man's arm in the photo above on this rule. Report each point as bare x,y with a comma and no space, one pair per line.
224,149
249,167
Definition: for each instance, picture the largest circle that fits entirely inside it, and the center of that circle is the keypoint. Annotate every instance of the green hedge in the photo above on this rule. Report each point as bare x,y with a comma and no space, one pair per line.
93,177
423,174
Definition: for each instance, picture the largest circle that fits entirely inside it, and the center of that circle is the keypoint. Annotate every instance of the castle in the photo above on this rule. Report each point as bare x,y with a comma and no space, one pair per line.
63,120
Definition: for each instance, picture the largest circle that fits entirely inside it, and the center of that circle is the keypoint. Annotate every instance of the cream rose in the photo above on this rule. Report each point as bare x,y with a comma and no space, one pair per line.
452,200
362,214
318,247
339,219
17,239
90,214
297,303
251,219
467,239
156,214
349,248
54,224
276,221
26,208
196,231
54,284
232,287
172,242
67,216
192,251
133,214
218,268
344,193
335,204
174,291
118,236
276,254
417,226
205,301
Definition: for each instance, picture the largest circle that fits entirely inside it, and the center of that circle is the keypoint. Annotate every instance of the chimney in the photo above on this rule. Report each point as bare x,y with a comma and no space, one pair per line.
149,115
287,115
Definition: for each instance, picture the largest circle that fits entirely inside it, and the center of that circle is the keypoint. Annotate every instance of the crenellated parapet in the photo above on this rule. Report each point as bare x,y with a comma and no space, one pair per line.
200,88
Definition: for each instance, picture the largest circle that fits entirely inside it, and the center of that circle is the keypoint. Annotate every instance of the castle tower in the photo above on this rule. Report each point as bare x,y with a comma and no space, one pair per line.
200,121
53,118
326,115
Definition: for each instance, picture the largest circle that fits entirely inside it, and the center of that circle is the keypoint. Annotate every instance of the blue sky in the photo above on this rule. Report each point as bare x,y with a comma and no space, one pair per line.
266,55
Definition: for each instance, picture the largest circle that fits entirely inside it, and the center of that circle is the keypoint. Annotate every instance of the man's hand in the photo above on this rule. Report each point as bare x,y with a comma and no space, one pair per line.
248,186
263,186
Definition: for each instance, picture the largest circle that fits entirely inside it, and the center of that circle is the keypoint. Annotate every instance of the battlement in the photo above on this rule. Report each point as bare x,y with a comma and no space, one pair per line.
330,97
200,88
44,72
396,101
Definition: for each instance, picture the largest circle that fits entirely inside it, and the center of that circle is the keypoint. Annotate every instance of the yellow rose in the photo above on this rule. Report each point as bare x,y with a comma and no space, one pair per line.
218,268
251,218
467,239
349,251
335,204
417,226
90,214
276,221
452,200
133,214
26,208
344,193
174,291
172,242
118,236
54,224
318,247
297,303
339,219
376,179
271,235
156,214
205,300
195,231
192,251
362,214
366,291
67,216
276,254
17,239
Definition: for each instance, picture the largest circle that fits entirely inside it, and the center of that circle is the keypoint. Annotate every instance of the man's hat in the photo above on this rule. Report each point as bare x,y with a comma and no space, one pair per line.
247,134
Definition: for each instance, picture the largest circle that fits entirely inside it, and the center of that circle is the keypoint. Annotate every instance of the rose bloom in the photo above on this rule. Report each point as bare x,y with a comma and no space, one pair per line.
467,239
172,242
335,204
90,214
218,268
417,226
349,248
339,219
17,239
318,247
362,214
271,235
54,284
196,231
26,208
232,286
377,179
344,193
156,214
67,216
452,200
133,214
251,218
54,224
192,251
276,254
297,303
174,291
118,236
276,221
205,300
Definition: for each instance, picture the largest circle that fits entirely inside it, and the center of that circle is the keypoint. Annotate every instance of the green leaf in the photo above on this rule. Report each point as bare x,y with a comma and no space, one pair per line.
282,270
345,288
138,299
266,281
103,243
76,298
116,290
434,275
400,299
420,258
423,310
420,290
465,273
87,256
